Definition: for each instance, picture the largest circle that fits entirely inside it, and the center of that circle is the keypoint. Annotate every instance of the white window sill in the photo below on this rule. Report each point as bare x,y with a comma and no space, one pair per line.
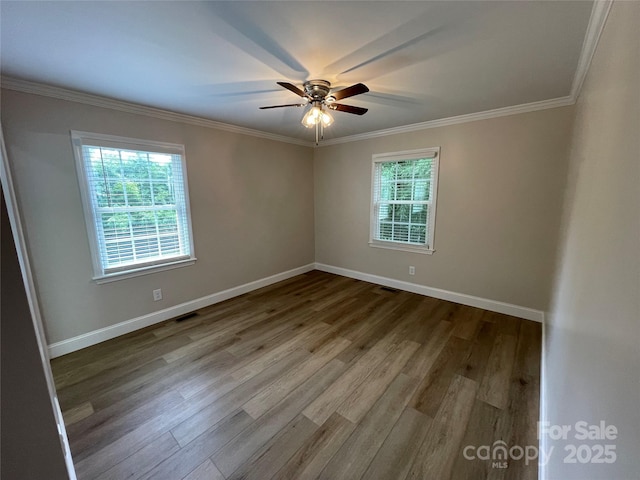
136,272
405,247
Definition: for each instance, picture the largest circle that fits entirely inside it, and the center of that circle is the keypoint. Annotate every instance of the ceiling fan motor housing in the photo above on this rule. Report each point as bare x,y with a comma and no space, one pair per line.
317,89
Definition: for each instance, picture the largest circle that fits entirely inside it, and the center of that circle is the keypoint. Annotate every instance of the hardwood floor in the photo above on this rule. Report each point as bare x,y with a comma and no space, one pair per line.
319,376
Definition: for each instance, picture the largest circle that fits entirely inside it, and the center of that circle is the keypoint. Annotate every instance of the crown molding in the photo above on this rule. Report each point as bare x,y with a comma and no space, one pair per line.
105,102
599,14
35,88
443,122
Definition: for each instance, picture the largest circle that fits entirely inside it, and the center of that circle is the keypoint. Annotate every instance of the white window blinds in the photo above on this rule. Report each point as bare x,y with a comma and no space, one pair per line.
135,194
403,198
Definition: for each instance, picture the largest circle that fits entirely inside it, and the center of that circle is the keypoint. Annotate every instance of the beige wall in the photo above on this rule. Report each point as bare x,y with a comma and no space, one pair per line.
498,209
593,334
251,204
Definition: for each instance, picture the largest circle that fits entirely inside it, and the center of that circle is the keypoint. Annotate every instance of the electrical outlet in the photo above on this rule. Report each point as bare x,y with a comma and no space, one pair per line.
412,270
157,295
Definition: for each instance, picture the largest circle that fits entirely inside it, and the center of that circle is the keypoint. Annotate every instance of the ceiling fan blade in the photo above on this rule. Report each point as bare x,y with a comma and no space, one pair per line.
293,88
348,109
287,105
356,89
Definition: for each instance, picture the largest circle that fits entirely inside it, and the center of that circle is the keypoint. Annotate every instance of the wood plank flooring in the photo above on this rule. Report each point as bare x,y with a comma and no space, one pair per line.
319,376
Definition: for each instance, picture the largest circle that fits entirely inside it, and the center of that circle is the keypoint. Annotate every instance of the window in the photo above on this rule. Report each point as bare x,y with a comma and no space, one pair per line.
403,203
136,204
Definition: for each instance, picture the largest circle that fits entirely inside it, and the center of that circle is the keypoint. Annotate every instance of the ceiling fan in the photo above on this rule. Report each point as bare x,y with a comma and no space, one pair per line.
318,94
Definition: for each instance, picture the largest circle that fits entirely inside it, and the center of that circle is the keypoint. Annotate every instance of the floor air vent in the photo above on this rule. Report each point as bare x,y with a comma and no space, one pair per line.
389,289
185,316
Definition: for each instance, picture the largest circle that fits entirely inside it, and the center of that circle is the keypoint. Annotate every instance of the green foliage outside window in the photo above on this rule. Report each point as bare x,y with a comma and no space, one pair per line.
405,186
124,183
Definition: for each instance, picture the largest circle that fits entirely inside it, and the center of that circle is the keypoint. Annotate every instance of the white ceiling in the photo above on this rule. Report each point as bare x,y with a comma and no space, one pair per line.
422,60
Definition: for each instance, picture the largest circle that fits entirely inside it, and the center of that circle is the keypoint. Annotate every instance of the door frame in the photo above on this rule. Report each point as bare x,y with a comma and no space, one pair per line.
29,285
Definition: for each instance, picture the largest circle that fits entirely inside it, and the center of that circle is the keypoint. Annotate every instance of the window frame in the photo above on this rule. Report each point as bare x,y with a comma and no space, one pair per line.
80,139
380,158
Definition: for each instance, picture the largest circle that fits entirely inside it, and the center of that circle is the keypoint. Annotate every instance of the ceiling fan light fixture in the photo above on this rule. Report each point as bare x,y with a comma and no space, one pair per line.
327,119
310,118
316,115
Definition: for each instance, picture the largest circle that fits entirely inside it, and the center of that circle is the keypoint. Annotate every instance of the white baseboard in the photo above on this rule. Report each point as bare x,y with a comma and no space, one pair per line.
464,299
91,338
